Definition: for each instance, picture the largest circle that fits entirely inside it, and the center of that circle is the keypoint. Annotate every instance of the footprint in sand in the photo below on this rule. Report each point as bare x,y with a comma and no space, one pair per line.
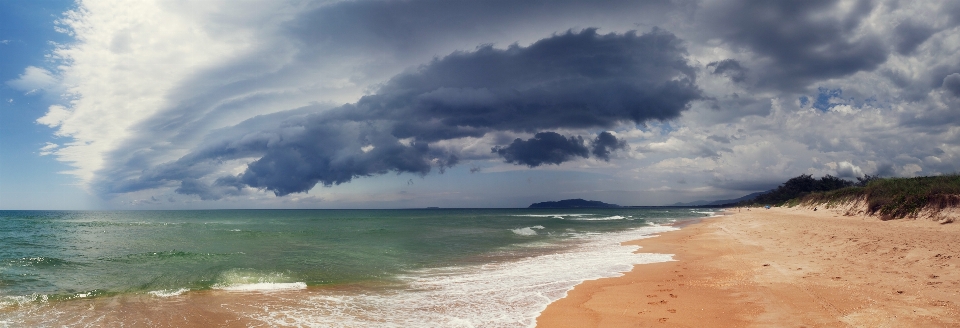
672,295
662,320
672,310
652,295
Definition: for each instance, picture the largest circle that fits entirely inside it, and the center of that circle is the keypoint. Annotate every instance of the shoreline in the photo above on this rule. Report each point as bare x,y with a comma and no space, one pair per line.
780,267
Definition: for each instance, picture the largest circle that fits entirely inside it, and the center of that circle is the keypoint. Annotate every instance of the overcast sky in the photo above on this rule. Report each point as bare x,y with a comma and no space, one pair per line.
396,104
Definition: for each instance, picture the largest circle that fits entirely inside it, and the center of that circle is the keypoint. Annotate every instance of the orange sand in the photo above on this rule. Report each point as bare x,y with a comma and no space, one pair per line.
781,268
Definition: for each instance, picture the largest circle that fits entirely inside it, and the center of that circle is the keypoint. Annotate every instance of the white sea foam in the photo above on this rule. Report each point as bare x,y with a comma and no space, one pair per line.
168,292
528,231
555,216
244,280
605,218
6,301
264,286
506,294
577,217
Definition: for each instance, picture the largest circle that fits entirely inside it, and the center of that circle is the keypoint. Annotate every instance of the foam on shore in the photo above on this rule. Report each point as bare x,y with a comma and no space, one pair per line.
505,294
264,286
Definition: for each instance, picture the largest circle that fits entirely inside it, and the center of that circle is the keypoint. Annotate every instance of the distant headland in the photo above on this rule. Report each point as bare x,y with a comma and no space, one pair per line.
573,203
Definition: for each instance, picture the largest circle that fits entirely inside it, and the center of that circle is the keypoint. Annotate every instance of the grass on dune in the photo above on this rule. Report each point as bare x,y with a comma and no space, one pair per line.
892,198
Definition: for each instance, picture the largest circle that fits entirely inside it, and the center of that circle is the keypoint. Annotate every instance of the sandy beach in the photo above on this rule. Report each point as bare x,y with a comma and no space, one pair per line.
781,268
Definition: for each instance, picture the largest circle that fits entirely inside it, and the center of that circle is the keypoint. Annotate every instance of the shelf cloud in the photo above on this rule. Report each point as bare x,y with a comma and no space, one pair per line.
573,80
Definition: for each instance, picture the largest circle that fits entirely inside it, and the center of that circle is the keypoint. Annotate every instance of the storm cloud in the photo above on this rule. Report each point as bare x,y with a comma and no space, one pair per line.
543,148
730,68
573,80
605,144
800,41
194,102
952,84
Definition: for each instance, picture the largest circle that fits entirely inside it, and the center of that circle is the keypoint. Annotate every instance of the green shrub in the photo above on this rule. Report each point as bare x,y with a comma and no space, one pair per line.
894,198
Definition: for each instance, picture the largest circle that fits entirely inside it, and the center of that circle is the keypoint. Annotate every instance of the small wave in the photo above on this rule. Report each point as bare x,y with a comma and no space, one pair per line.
528,231
264,286
606,218
579,217
39,261
550,215
168,292
252,280
6,301
163,255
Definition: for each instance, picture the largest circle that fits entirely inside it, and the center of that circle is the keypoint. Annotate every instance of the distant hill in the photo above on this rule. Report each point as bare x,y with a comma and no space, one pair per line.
573,203
722,202
803,185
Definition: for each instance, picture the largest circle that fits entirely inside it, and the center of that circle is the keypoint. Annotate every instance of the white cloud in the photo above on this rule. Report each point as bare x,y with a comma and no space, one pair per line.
55,116
34,79
128,59
48,149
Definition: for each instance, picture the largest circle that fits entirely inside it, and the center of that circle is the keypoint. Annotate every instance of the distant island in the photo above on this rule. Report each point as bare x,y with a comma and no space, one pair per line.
574,203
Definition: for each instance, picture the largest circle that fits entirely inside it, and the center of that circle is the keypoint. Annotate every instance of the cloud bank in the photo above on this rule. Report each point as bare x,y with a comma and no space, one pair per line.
577,80
215,101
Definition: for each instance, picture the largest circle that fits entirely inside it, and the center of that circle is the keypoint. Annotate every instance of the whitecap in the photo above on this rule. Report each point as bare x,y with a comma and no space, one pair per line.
263,286
524,231
605,218
168,292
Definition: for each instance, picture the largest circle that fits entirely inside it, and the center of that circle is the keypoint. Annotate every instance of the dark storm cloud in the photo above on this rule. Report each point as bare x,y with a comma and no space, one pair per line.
885,170
553,148
729,68
543,148
720,139
606,143
571,80
799,42
406,27
951,83
909,35
221,188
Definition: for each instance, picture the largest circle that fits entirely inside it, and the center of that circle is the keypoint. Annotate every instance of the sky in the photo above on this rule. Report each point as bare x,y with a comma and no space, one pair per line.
403,104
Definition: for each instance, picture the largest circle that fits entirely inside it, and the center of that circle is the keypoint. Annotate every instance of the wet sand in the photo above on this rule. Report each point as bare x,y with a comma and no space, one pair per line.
781,268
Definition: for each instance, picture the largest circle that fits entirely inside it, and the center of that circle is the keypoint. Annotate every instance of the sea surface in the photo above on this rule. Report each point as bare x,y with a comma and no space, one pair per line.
311,268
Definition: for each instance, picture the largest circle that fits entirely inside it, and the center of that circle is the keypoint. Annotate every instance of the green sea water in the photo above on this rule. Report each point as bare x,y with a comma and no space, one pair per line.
57,257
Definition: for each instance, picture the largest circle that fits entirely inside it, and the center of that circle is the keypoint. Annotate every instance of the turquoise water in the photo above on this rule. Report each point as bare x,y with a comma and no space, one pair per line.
58,257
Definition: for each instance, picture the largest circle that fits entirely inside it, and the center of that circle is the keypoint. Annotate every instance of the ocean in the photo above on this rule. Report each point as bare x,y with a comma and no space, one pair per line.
311,268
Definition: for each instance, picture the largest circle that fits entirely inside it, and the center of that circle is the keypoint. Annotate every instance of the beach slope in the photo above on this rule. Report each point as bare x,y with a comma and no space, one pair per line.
781,268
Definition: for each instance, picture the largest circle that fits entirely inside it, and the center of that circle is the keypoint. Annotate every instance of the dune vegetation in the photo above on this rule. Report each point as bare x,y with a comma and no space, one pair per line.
887,198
